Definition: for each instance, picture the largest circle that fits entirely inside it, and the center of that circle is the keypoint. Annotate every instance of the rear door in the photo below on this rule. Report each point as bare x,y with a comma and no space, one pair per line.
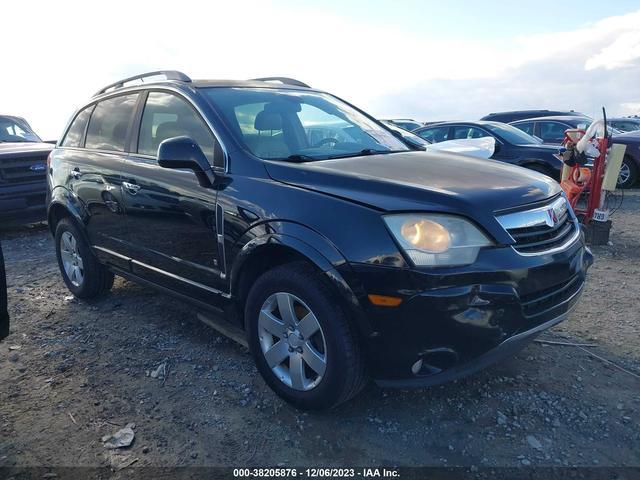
171,218
95,160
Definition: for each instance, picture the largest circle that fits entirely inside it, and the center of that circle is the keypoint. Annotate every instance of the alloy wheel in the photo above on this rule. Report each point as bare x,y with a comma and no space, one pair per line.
625,173
292,341
71,259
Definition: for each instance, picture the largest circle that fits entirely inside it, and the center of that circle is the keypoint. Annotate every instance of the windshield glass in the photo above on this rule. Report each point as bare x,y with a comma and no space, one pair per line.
511,134
298,125
13,130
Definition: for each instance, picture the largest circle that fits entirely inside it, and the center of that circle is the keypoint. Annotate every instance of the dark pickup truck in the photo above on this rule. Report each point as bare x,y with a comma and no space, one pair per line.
23,165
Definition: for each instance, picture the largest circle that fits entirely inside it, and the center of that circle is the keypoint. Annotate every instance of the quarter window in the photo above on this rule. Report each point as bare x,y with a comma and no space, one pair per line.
109,123
76,130
166,116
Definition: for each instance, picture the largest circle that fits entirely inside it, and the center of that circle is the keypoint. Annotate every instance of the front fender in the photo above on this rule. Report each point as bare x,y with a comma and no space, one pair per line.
61,197
314,247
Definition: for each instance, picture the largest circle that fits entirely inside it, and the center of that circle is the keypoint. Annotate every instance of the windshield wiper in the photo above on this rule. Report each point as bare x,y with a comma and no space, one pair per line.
366,151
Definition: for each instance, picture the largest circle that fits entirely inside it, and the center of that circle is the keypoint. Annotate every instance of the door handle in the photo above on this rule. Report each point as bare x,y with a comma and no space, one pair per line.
132,188
75,173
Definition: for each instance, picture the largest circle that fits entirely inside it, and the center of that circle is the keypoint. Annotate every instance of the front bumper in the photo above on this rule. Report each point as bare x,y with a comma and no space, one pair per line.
24,202
453,322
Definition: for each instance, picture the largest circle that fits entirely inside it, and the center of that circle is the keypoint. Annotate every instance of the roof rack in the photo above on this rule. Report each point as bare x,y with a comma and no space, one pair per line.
283,80
168,74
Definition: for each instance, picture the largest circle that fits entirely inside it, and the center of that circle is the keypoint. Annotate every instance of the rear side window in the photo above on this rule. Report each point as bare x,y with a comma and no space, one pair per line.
166,116
435,135
110,122
77,128
552,131
468,132
526,127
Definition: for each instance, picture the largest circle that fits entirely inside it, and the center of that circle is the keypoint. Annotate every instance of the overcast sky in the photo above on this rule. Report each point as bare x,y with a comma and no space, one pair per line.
424,59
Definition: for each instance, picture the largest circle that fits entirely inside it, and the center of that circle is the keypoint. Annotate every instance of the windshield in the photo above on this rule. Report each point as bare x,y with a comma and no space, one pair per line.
511,134
14,130
299,126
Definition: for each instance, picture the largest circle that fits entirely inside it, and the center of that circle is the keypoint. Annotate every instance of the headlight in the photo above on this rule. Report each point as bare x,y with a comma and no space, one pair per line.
437,240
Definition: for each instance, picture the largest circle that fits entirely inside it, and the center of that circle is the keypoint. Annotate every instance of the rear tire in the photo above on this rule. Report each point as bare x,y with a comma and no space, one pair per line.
628,173
84,276
313,367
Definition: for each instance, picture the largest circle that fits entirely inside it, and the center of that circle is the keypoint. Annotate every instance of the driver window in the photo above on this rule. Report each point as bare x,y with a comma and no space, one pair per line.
166,116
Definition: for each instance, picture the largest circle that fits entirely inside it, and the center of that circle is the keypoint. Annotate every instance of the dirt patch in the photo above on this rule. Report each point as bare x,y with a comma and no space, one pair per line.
72,372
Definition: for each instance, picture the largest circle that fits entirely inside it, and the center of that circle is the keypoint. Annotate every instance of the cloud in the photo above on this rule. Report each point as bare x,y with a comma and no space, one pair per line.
585,69
74,48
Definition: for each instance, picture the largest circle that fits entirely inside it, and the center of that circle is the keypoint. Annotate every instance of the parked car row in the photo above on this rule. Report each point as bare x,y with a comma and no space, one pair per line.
511,144
339,252
551,131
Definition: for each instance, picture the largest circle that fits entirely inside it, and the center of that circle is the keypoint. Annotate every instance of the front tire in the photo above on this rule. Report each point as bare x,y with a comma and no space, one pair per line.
84,276
302,339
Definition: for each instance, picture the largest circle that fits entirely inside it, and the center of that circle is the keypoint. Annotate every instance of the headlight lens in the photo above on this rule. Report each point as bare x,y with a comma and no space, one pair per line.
436,239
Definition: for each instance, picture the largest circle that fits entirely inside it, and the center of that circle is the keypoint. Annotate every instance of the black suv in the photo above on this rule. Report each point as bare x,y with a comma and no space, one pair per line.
341,257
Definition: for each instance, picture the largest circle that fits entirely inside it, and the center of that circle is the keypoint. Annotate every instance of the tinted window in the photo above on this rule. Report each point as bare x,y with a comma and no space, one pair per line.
625,126
109,123
76,130
526,127
552,131
435,135
166,116
468,132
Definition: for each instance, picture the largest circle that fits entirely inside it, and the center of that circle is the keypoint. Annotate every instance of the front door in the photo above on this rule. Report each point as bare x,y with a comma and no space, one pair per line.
170,217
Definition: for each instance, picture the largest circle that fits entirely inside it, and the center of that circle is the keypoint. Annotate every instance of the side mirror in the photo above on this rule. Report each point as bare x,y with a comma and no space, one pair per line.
183,152
496,148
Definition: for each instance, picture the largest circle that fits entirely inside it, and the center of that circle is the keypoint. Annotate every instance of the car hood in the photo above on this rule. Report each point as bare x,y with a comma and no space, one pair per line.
420,181
11,148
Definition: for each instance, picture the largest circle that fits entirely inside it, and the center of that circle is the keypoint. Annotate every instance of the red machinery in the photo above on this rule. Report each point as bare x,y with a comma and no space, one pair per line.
579,147
585,155
583,180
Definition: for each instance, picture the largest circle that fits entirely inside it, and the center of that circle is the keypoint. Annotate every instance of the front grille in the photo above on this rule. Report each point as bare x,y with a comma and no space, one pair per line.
23,169
541,229
543,300
539,239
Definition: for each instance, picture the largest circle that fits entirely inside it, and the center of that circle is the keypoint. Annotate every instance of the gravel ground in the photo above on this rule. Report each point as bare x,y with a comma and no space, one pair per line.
72,372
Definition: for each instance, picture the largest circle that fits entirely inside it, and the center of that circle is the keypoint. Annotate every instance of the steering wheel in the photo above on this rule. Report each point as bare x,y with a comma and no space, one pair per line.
327,141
